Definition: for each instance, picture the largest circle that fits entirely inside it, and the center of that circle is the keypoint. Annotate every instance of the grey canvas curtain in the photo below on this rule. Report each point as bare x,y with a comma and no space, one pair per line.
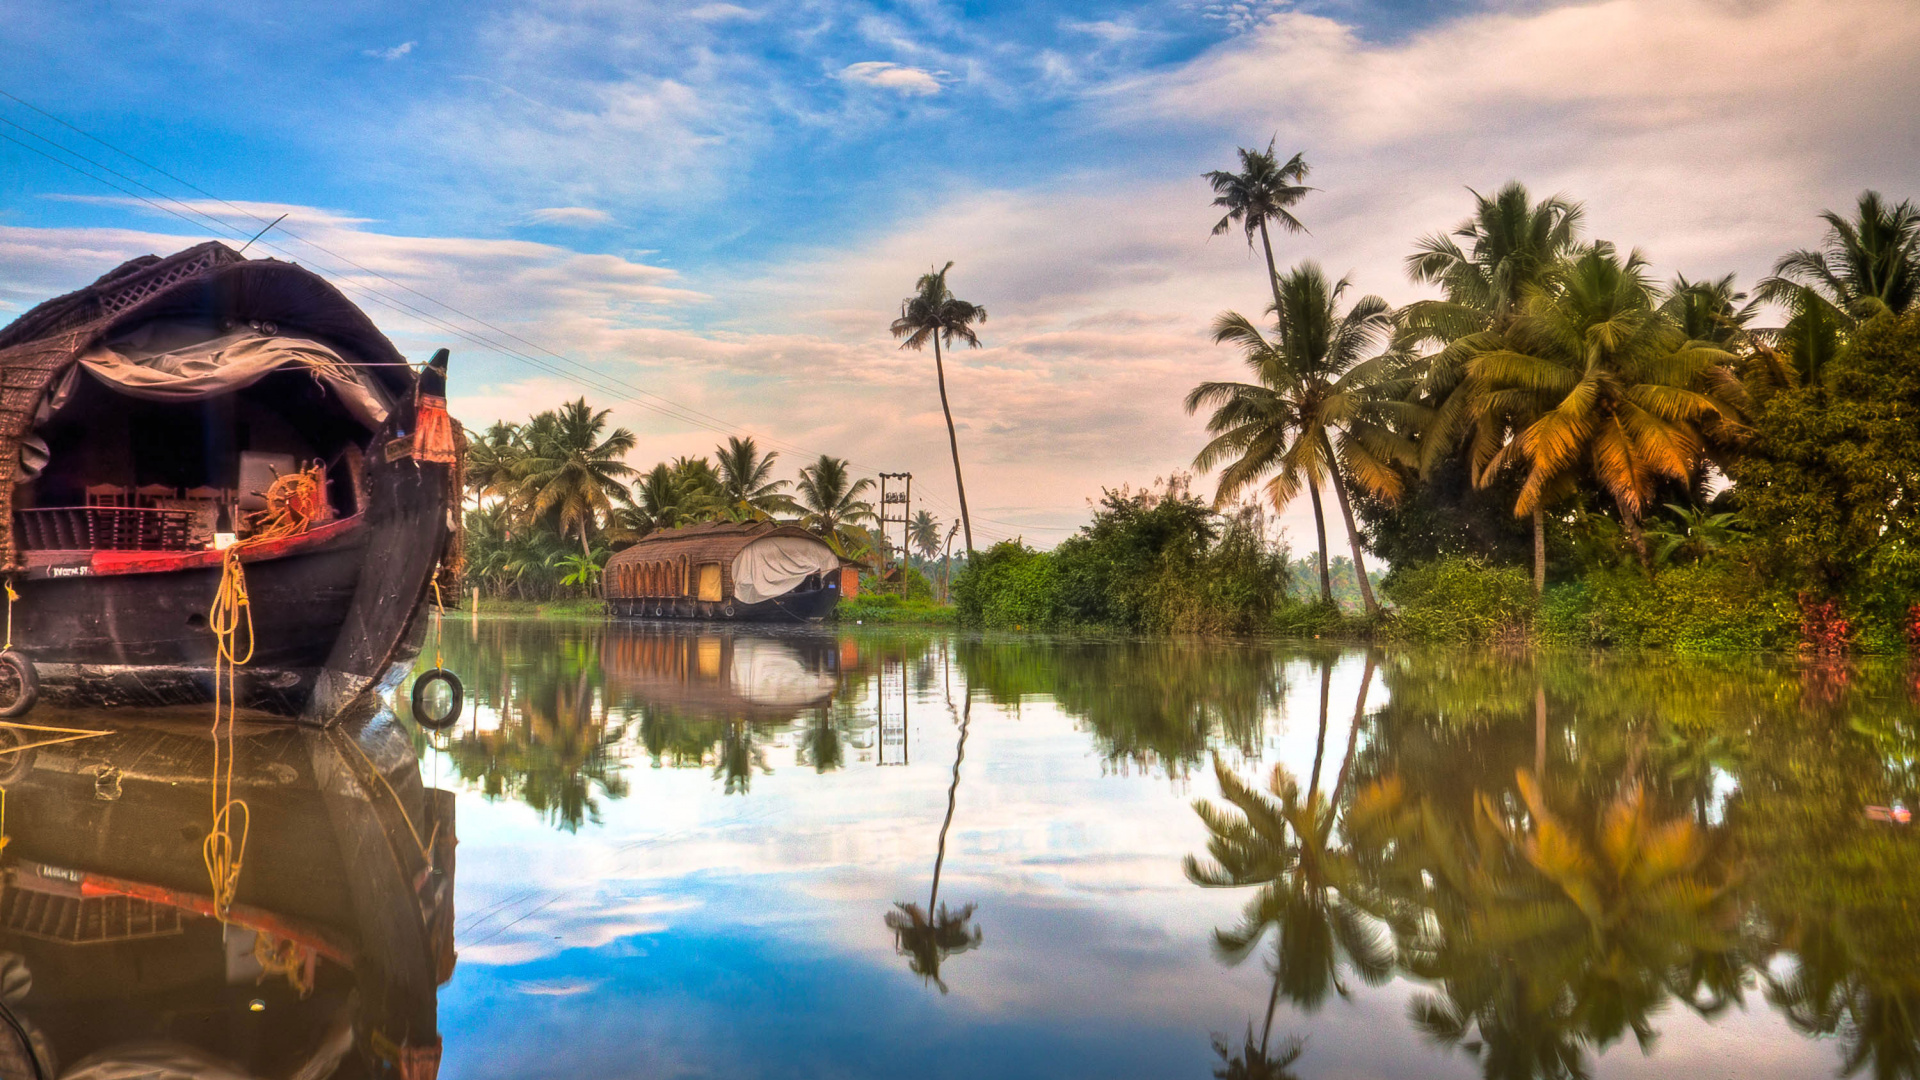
152,367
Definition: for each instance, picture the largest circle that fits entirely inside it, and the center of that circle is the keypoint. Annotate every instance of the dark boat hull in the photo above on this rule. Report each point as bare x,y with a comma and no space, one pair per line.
108,903
331,611
799,606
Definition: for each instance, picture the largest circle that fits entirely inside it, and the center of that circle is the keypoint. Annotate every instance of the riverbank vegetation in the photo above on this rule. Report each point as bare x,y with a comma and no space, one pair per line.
1558,447
553,497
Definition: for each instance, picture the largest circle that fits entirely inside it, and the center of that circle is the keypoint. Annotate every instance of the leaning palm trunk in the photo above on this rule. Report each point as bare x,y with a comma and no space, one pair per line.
1632,522
1353,535
1320,527
1539,553
953,443
1353,734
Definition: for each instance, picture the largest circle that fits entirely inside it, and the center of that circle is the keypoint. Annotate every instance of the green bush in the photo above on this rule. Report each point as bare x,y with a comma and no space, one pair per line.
1459,599
1006,586
1704,608
889,609
1148,563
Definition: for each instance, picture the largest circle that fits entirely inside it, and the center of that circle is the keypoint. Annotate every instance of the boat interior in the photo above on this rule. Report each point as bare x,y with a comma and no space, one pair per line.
182,463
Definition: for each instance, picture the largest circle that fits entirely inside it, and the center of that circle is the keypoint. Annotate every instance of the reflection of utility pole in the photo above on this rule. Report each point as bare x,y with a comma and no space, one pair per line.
904,500
893,729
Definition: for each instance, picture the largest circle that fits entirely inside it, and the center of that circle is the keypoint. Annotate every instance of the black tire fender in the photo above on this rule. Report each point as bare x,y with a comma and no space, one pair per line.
457,699
22,668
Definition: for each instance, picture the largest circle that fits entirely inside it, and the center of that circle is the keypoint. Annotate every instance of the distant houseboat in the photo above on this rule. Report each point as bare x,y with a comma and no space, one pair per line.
185,410
750,572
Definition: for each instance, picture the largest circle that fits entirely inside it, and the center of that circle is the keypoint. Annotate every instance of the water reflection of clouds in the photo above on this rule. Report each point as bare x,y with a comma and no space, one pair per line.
719,935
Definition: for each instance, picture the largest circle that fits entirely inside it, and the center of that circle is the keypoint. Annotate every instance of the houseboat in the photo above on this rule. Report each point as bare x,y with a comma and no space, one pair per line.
757,571
118,961
187,421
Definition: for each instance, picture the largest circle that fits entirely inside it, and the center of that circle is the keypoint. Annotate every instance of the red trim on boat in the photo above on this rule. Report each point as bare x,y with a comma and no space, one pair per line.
104,563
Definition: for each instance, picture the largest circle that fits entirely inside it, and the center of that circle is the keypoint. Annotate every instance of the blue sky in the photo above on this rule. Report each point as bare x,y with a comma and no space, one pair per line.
722,203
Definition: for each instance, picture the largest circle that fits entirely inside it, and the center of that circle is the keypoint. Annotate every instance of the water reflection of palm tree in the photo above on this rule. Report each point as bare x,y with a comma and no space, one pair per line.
1551,933
927,936
1282,842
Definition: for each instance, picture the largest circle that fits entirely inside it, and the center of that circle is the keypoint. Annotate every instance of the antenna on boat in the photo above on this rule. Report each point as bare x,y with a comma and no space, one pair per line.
262,232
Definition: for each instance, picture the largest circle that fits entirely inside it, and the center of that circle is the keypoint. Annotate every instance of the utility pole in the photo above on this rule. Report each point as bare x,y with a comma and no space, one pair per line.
903,499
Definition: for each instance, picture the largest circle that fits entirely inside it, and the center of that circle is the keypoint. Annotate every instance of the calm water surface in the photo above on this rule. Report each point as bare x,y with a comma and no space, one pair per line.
712,852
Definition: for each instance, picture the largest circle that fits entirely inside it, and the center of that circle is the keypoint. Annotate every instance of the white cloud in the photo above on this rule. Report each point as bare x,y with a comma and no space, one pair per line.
578,217
914,81
394,53
720,12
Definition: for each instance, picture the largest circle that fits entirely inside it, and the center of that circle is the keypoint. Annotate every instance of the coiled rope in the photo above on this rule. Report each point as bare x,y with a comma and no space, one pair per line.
293,501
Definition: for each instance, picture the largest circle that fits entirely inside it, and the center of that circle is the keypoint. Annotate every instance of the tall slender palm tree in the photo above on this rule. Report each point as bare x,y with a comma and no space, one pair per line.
831,500
1316,377
1868,264
571,472
747,483
930,314
1512,245
1616,392
1260,192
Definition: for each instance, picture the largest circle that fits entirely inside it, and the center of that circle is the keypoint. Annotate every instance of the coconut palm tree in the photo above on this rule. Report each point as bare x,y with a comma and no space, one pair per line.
1318,376
493,461
1616,393
1868,264
830,499
571,472
1260,192
747,483
1512,245
930,314
923,533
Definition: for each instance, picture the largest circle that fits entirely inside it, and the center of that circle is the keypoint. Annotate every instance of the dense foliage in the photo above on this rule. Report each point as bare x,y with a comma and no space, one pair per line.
1698,482
553,498
1156,561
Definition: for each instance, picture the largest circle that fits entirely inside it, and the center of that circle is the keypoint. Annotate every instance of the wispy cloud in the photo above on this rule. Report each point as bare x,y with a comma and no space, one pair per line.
720,12
891,76
577,217
394,53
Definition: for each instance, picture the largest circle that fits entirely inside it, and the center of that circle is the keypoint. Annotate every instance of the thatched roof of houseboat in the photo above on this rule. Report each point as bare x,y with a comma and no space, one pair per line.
209,280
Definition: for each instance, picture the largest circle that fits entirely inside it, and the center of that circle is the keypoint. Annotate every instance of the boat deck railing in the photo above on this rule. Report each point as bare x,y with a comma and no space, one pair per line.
104,528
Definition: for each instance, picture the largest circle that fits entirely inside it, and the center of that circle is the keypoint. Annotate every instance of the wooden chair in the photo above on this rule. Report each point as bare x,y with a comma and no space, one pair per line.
108,495
150,494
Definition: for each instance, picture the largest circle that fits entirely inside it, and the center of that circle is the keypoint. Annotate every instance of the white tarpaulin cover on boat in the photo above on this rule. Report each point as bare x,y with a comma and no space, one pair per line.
151,363
772,565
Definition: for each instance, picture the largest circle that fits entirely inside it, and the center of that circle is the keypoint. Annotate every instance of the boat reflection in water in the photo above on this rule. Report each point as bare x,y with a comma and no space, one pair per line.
113,964
722,675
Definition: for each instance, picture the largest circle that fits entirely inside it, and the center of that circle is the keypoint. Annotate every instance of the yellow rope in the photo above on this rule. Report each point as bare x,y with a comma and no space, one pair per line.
11,597
439,612
293,502
279,956
222,852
